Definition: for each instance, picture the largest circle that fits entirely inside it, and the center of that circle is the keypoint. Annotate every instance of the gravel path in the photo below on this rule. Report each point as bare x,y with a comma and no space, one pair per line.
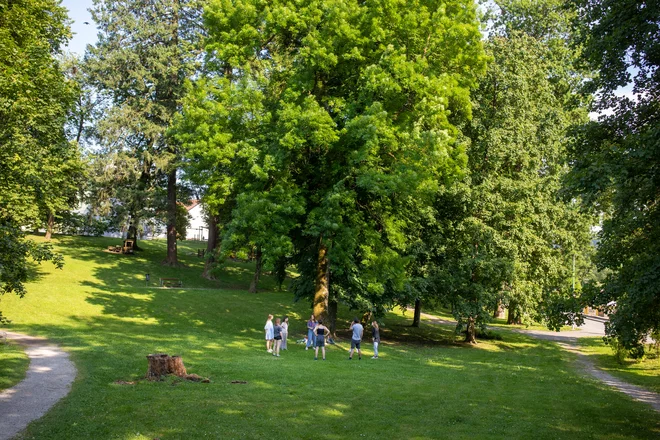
568,340
48,379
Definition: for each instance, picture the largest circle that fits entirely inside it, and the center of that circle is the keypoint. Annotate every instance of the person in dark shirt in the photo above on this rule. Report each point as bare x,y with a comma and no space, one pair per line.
375,334
277,332
320,331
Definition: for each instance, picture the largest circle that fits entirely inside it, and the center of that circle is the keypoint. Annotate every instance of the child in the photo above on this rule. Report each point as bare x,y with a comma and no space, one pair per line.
277,332
285,331
269,333
375,333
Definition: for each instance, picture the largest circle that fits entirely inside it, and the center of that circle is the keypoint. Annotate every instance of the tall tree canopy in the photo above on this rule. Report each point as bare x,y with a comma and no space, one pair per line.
616,162
505,236
146,50
34,97
354,104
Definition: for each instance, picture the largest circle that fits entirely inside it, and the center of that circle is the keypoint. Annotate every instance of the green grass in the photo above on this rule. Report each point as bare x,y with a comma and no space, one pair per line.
13,364
645,372
425,385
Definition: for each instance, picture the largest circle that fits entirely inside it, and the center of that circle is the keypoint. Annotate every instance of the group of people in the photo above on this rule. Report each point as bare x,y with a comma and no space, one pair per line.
276,336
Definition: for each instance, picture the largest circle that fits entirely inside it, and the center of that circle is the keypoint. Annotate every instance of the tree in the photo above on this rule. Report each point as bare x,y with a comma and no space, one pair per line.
505,234
34,97
356,99
616,163
146,51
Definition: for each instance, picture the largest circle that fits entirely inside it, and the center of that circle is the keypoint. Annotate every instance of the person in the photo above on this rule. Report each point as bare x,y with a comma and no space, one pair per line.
356,338
285,331
375,334
269,333
311,341
320,331
277,336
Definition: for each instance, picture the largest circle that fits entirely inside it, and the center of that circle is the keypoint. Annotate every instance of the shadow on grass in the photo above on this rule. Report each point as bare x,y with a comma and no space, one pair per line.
424,385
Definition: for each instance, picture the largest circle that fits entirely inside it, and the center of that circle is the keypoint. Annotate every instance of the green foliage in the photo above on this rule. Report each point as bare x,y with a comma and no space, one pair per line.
145,53
615,163
37,164
350,117
504,235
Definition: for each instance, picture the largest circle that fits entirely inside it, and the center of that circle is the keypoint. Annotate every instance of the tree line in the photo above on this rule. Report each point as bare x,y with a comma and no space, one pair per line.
393,153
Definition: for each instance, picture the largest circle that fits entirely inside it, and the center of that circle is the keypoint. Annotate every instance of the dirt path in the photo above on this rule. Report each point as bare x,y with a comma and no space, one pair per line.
48,379
569,342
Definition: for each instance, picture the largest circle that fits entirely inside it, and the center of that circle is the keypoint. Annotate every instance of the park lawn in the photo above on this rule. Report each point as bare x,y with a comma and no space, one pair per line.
13,364
645,372
425,385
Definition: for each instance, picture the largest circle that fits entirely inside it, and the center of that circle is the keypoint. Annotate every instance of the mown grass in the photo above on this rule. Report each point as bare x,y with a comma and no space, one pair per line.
424,386
13,364
644,372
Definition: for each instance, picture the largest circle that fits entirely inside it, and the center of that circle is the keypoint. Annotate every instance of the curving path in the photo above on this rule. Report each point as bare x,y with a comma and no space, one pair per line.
48,379
568,340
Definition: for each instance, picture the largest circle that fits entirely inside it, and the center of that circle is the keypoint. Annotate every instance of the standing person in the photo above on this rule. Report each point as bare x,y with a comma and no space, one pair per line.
311,340
285,331
375,334
320,331
358,332
277,333
269,333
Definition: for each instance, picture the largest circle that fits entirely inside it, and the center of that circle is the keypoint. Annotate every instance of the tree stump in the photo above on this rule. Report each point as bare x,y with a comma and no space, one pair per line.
162,364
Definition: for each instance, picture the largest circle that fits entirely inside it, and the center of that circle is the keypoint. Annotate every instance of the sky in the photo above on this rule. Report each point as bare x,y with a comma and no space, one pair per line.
83,34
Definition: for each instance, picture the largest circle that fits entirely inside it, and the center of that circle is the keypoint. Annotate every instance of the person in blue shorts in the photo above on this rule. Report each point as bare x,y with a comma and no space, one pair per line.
320,332
356,338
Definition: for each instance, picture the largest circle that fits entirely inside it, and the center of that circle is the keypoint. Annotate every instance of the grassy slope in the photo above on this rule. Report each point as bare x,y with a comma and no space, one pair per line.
13,364
645,373
424,385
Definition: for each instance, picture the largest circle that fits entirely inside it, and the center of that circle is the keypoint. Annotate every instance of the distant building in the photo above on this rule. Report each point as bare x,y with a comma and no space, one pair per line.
198,228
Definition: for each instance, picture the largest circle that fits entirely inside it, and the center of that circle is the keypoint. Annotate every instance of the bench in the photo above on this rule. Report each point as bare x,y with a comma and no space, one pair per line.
171,282
114,249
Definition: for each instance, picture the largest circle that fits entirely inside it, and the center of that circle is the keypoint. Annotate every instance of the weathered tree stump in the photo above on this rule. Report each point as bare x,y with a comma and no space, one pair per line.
162,364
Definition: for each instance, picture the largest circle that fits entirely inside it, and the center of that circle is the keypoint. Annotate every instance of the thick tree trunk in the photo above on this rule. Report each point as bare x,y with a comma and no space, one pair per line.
257,272
418,312
171,259
210,247
162,364
49,227
132,235
513,318
322,284
470,332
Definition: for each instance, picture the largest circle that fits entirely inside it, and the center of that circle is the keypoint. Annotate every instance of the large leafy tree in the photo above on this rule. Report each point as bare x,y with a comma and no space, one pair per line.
146,51
505,235
34,97
354,123
616,162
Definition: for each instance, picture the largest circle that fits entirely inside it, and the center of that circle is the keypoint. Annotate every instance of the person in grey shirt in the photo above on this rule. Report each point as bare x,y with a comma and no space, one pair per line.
358,332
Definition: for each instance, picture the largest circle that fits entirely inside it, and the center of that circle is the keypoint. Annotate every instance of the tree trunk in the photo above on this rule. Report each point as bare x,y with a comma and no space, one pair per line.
210,247
171,259
332,316
257,272
162,364
322,283
418,312
514,317
132,235
49,227
470,332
